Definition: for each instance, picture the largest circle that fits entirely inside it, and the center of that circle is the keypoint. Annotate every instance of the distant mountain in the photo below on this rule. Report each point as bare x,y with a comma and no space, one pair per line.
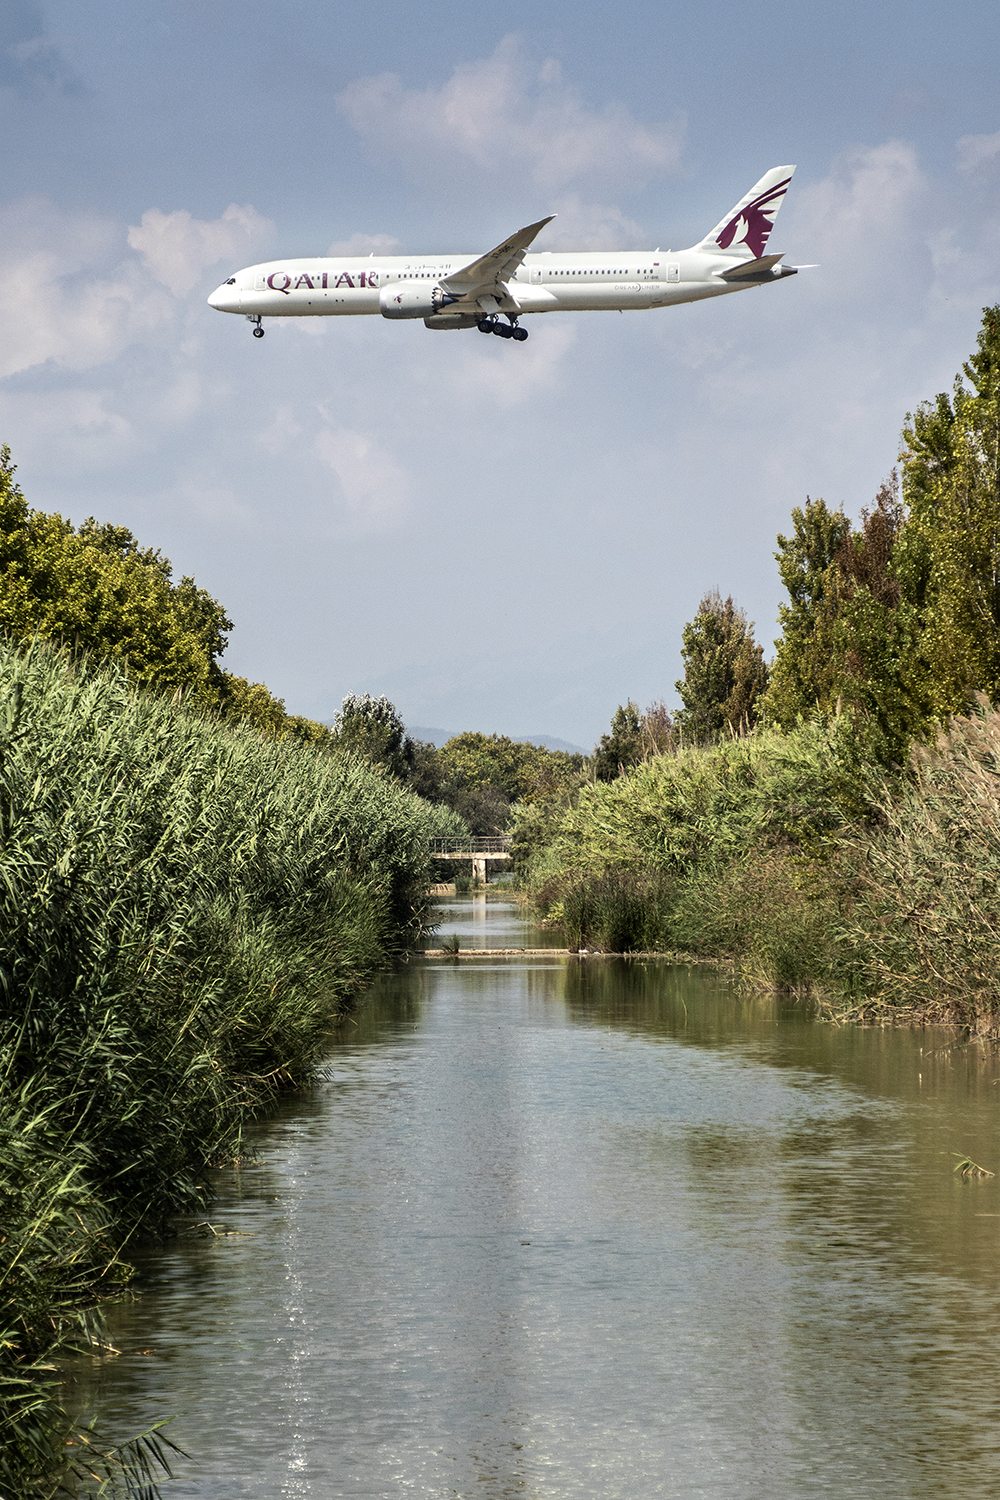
549,742
436,737
441,737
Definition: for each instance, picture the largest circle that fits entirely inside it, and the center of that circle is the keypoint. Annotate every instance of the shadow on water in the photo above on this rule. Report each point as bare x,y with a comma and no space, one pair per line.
566,1228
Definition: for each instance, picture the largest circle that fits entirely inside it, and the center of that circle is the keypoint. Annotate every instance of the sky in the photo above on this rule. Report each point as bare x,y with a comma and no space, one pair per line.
498,536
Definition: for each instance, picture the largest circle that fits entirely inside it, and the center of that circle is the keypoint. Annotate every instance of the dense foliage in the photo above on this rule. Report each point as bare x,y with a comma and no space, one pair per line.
678,854
96,590
924,928
633,738
853,842
183,909
899,620
724,672
374,729
482,776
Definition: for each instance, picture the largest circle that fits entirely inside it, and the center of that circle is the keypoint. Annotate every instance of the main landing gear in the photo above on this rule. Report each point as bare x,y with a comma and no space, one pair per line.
258,332
502,330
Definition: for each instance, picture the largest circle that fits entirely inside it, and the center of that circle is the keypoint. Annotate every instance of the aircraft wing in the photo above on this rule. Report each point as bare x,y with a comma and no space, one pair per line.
497,266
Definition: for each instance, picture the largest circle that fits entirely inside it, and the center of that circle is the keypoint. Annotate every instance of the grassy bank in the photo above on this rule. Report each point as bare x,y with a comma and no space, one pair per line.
184,907
789,856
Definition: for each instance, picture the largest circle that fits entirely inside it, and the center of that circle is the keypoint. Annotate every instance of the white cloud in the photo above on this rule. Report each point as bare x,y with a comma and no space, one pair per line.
375,487
867,222
62,298
74,429
216,504
490,372
504,117
364,244
975,151
177,248
590,226
867,194
281,431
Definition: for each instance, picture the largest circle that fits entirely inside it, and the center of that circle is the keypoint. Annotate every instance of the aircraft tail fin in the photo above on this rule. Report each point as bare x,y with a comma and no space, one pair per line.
743,233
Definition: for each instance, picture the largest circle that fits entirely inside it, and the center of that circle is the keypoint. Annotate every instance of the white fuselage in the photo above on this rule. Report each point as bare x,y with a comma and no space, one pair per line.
614,281
461,291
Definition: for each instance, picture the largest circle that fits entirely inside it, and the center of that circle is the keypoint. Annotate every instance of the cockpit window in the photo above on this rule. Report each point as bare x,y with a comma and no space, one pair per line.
231,281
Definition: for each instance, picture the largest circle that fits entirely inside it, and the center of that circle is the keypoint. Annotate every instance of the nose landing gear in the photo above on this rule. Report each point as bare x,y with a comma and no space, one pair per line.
254,318
502,330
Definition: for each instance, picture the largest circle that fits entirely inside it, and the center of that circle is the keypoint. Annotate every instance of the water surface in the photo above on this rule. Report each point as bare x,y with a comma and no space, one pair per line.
584,1228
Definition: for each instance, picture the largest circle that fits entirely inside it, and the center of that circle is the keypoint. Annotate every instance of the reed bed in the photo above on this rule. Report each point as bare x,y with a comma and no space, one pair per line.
924,930
808,869
184,908
729,851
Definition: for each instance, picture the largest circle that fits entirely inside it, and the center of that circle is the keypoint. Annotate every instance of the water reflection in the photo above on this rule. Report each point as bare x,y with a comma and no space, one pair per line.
491,918
563,1228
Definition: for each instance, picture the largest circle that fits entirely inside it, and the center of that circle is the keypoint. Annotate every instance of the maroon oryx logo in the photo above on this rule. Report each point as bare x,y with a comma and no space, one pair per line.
757,218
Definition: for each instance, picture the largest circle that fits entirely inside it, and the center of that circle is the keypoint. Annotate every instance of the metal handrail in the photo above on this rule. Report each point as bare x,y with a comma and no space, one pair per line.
499,844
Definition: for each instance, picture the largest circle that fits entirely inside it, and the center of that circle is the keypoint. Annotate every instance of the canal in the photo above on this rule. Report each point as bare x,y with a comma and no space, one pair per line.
588,1228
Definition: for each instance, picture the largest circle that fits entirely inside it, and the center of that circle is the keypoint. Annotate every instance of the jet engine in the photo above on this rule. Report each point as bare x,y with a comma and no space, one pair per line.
398,300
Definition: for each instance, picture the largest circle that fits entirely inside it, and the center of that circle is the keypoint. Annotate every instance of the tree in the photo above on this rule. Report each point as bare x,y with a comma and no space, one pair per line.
482,776
634,738
95,589
623,748
874,631
491,760
724,672
804,676
374,728
657,729
949,553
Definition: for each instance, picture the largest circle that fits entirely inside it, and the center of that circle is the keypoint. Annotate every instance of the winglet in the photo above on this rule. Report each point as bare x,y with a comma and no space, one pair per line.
497,265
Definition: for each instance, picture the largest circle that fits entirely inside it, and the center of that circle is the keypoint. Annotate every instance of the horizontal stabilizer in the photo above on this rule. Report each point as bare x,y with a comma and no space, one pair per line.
748,268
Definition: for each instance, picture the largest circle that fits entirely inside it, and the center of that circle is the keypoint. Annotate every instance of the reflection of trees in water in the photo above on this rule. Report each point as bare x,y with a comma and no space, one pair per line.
688,1001
822,1166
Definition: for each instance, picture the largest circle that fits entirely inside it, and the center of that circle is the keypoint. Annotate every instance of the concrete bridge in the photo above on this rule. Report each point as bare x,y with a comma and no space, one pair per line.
481,853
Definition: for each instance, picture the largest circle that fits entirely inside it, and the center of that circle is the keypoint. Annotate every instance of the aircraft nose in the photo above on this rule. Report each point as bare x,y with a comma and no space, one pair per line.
225,298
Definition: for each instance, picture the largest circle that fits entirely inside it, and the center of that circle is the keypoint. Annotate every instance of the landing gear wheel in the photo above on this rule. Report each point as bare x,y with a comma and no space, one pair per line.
503,330
258,333
520,334
485,325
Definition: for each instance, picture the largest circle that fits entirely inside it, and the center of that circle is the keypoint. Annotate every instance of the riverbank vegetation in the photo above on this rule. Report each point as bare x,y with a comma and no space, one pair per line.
830,821
194,885
97,591
184,909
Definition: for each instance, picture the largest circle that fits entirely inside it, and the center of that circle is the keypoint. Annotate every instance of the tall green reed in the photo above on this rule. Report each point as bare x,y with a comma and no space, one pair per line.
184,907
924,928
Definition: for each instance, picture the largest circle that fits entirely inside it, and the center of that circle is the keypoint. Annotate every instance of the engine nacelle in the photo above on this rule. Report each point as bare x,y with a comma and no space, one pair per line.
453,320
399,300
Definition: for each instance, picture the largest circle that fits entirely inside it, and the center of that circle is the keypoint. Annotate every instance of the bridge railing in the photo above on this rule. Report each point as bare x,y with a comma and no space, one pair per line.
500,844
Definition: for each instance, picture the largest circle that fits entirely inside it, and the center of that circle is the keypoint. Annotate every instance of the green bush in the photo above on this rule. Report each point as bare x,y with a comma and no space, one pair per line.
730,850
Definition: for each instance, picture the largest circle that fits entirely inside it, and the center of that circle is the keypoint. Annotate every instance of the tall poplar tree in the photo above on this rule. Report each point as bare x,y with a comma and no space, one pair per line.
725,674
805,676
948,560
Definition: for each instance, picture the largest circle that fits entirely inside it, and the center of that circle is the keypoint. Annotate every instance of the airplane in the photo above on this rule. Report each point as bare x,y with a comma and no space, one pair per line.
464,291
